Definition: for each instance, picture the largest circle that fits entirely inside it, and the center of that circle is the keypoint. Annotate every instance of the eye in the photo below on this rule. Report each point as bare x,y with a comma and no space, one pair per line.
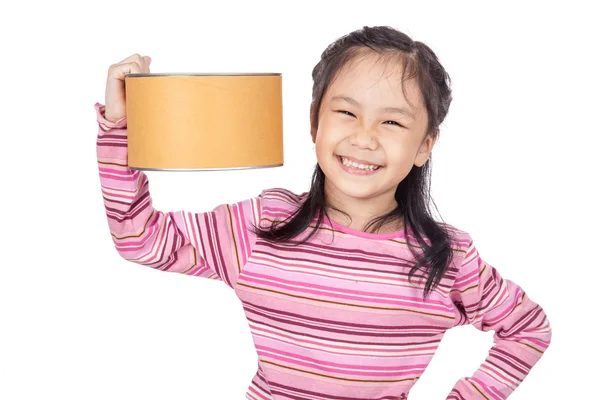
394,123
352,115
344,112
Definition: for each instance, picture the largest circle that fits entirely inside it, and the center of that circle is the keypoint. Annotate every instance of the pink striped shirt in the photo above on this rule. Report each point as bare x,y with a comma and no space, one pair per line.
334,318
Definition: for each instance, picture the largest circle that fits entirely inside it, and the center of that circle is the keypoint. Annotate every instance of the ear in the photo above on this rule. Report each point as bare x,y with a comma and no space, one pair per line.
313,129
424,151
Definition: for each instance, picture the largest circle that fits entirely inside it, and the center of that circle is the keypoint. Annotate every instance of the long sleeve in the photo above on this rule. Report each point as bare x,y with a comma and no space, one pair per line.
214,244
522,331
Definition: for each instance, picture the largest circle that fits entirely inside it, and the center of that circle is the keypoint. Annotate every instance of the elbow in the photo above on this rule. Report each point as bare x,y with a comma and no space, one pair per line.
536,331
548,333
544,331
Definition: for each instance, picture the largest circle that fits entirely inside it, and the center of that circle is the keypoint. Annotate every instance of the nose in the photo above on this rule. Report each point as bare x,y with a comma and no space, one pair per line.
364,138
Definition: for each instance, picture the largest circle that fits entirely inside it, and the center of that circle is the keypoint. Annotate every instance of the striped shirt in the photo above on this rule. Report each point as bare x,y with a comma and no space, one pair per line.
335,317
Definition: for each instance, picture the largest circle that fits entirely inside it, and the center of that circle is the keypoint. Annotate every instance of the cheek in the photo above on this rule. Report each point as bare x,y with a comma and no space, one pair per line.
327,139
399,156
321,147
394,148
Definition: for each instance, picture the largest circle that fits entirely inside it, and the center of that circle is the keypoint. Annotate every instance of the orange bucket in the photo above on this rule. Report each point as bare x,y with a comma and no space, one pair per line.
204,121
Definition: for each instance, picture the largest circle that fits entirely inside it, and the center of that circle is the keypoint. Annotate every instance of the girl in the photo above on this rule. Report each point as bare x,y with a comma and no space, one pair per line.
348,288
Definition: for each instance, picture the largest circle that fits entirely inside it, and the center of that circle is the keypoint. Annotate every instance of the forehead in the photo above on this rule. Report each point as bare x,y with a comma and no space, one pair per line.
377,80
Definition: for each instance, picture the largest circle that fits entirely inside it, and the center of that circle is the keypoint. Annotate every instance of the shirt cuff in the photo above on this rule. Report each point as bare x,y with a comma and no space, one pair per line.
100,108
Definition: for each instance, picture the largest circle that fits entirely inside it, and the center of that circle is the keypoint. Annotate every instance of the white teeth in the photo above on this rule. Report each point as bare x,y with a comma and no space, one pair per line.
349,163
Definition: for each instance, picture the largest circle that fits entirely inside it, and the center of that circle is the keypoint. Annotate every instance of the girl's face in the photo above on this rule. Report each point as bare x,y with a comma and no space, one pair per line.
357,120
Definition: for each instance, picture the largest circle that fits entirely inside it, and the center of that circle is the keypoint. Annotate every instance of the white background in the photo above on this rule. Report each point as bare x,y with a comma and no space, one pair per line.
516,166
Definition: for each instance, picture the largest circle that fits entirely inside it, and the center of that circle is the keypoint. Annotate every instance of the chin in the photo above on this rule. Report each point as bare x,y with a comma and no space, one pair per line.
355,190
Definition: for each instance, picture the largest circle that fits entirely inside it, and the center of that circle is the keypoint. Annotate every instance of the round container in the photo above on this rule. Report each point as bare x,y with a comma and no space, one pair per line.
204,121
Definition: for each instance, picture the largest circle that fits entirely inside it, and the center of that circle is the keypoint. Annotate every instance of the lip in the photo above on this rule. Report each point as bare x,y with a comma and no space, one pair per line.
355,171
358,161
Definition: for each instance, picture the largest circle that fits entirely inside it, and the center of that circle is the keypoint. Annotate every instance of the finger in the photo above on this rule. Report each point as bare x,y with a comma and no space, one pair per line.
143,62
119,71
133,57
148,60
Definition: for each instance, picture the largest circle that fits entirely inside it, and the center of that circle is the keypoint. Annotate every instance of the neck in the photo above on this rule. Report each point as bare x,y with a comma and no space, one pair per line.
360,211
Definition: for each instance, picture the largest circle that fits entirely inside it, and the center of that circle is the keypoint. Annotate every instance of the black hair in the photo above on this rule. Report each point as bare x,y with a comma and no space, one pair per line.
413,193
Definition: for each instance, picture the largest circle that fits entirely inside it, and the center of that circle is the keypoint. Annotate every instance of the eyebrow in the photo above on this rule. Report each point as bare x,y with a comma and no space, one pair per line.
386,109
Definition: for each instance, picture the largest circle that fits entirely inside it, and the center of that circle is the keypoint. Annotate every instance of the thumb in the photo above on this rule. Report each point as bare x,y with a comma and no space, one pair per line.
148,59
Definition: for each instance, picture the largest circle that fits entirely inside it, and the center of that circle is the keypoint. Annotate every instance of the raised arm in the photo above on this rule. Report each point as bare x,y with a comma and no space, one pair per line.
522,331
212,244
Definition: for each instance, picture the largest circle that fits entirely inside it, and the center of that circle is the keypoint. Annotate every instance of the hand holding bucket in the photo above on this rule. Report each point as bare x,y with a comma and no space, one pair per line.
200,121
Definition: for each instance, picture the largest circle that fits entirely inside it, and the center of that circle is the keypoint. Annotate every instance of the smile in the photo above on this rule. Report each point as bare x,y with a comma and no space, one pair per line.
357,169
